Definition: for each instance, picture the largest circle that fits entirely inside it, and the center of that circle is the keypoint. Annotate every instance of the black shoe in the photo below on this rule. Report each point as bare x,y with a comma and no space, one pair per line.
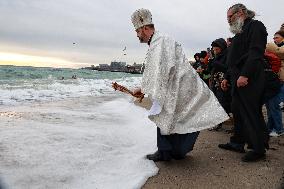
231,147
253,156
158,156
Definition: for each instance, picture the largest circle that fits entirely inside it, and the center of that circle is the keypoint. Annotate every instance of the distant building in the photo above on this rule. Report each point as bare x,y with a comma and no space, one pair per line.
104,67
93,67
118,66
135,68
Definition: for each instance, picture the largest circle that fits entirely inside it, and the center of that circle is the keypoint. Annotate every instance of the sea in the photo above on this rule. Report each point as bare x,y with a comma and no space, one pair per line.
20,85
72,133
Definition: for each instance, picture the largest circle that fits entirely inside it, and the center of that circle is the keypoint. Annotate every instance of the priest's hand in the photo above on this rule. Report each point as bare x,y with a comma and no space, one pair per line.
137,91
225,85
242,81
138,94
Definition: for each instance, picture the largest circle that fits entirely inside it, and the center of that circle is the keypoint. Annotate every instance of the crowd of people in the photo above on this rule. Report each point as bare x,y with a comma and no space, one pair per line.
243,77
236,75
212,67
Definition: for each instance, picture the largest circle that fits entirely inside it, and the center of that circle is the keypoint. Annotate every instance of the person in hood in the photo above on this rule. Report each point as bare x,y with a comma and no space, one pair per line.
218,68
202,70
197,62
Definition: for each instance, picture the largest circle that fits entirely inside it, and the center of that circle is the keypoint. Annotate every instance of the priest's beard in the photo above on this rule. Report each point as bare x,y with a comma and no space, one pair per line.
142,38
236,26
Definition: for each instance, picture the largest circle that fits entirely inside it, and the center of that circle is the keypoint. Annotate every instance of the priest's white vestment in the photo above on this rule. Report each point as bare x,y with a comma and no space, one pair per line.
184,102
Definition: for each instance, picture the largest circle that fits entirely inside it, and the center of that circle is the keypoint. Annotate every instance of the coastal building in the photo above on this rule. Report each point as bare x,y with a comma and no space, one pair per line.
103,67
117,66
135,68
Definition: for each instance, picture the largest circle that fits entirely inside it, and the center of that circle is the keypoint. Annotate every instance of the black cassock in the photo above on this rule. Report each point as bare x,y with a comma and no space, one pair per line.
245,58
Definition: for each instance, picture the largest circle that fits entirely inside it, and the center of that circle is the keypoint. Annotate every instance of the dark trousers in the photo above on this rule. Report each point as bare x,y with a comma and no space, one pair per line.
224,98
176,145
249,124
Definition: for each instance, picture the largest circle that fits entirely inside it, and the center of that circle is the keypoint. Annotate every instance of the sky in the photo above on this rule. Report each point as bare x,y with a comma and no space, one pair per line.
74,34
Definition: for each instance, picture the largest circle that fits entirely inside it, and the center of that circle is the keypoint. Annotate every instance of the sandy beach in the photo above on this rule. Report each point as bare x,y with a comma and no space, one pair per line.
208,167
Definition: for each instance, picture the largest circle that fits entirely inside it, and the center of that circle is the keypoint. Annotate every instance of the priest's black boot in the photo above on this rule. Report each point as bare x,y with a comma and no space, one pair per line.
159,156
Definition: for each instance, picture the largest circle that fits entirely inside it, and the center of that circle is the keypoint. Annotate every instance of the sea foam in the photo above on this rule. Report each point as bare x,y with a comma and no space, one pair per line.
27,91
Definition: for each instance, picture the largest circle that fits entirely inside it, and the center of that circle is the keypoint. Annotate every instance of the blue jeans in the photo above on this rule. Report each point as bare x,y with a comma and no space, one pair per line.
274,112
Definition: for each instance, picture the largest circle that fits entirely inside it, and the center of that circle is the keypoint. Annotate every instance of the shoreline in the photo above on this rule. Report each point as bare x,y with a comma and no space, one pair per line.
207,166
52,124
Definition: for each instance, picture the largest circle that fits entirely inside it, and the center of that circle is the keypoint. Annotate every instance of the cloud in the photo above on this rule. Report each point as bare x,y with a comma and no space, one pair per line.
101,29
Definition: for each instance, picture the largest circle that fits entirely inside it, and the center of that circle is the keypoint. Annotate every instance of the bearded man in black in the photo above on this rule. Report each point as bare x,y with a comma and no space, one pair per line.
246,76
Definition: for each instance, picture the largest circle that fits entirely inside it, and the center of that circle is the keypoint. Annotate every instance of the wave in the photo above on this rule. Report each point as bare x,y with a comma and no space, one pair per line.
11,73
38,90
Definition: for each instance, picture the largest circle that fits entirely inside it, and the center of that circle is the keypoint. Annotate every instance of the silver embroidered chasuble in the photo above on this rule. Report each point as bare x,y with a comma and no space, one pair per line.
186,103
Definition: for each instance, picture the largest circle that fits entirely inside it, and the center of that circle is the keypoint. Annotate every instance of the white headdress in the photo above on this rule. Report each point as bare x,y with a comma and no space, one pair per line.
141,17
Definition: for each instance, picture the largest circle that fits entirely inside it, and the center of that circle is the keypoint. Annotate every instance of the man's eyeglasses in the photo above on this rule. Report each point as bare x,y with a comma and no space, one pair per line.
229,17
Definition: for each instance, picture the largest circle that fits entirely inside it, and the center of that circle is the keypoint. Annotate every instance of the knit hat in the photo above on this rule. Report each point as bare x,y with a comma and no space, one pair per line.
141,17
196,54
219,43
280,32
203,54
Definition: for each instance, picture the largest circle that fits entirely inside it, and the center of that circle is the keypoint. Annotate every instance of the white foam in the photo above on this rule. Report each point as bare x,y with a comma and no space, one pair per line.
50,90
81,143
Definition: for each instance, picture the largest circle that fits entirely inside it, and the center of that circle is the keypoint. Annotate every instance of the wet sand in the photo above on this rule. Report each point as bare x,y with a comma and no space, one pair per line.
207,166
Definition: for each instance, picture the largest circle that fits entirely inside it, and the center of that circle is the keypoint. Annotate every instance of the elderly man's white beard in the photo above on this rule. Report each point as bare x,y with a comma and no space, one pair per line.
237,26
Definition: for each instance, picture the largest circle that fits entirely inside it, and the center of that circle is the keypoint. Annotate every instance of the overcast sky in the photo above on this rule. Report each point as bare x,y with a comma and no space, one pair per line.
74,32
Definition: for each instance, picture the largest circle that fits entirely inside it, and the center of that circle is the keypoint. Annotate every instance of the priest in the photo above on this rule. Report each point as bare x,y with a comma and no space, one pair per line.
182,104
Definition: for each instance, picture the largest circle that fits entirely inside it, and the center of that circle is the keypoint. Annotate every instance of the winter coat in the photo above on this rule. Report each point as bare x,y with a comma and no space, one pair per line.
279,51
246,55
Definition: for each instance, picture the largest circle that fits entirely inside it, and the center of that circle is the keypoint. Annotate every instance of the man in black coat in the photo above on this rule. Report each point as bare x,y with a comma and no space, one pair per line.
246,77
